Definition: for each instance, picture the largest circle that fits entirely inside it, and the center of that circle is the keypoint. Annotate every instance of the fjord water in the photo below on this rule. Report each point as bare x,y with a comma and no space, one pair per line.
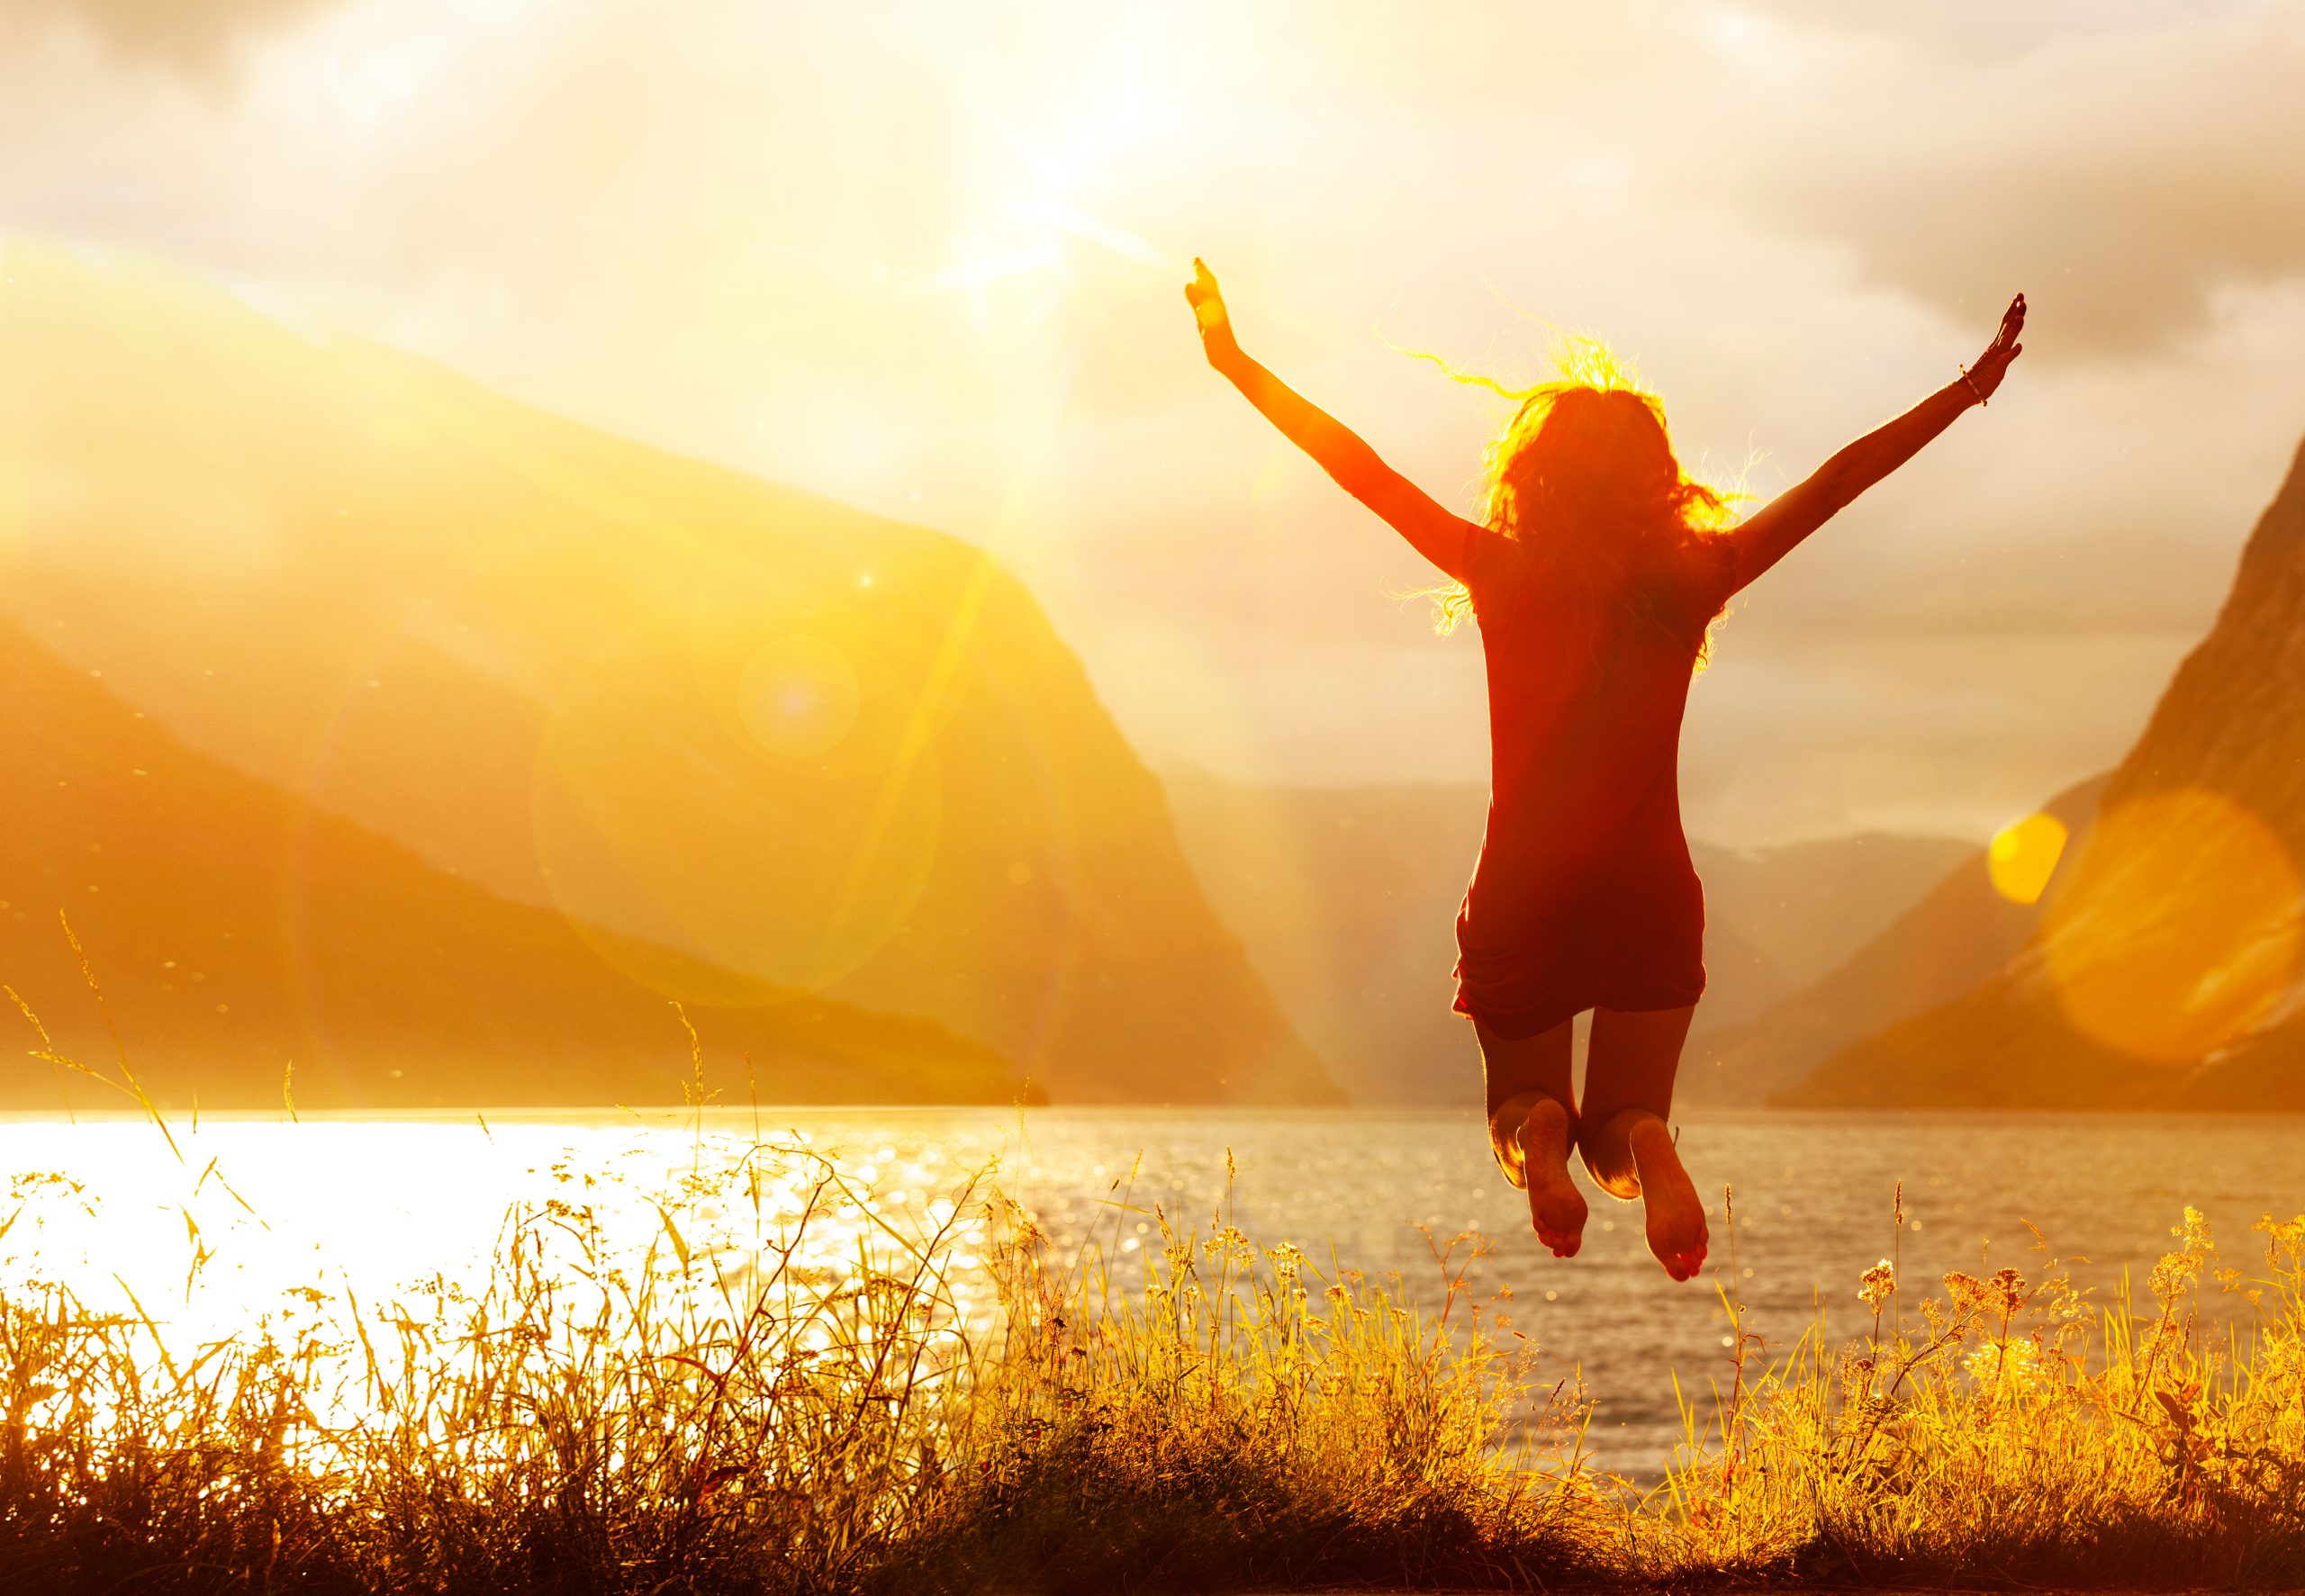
273,1209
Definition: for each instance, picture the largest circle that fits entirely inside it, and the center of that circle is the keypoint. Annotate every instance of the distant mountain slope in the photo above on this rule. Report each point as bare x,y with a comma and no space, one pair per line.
235,931
2167,973
1956,935
1347,898
811,748
1812,903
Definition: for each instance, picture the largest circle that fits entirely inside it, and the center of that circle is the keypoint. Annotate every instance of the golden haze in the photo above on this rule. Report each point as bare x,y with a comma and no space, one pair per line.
749,744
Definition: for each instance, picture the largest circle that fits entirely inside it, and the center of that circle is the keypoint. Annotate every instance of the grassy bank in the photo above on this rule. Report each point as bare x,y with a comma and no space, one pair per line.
955,1404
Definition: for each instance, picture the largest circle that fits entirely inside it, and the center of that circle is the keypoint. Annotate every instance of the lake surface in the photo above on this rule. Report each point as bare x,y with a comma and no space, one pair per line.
377,1204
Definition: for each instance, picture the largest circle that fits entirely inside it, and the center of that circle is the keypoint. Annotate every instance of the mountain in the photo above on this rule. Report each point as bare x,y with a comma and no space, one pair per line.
806,748
2167,972
1346,899
236,933
1958,933
1811,903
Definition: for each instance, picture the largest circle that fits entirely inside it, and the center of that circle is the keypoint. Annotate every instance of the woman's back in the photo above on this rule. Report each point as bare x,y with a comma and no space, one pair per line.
1586,696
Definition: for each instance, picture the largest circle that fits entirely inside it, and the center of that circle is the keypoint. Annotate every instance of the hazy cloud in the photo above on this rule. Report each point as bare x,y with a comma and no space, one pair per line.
2122,177
189,35
925,260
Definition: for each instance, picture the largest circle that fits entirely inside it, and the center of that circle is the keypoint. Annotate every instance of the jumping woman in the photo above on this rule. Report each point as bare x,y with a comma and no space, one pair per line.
1595,574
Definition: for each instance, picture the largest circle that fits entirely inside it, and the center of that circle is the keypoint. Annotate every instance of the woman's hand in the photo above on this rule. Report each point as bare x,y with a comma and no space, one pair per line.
1771,532
1435,533
1991,365
1208,313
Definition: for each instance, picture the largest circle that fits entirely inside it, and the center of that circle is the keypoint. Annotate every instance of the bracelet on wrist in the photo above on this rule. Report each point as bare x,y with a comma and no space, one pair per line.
1972,384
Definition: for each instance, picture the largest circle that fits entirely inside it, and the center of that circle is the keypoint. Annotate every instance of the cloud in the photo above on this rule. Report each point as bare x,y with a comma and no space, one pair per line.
192,36
906,256
2125,179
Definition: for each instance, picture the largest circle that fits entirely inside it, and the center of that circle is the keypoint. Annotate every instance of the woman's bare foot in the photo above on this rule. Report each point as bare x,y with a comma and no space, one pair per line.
1676,1218
1537,1160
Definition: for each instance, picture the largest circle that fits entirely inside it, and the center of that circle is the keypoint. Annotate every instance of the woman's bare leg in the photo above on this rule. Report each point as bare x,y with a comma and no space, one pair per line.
1532,1125
1625,1135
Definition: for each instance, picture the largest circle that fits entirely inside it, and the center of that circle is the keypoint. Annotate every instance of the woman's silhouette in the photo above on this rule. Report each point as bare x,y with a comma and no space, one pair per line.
1596,575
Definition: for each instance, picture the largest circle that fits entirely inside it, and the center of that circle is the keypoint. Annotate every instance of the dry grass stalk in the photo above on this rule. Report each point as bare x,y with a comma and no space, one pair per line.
734,1410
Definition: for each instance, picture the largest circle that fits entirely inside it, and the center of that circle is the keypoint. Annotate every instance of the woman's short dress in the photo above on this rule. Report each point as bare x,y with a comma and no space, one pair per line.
1584,895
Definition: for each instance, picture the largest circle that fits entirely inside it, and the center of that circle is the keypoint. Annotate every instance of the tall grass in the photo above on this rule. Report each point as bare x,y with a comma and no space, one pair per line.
1241,1419
709,1417
958,1404
578,1420
2013,1435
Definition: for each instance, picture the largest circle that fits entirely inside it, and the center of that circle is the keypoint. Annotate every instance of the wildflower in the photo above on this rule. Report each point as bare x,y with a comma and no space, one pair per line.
1230,1245
2192,1235
1877,1284
2013,1367
2281,1355
2170,1277
1287,1263
2282,1238
2008,1291
1968,1293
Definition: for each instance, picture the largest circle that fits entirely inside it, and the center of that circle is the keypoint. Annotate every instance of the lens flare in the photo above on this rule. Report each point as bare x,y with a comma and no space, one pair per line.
2187,939
2023,855
799,696
748,783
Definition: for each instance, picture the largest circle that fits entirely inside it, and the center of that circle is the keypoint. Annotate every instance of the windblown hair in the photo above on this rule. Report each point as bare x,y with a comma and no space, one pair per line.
1584,473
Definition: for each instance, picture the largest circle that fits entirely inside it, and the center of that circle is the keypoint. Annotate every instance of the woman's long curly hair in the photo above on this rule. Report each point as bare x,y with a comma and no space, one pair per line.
1585,473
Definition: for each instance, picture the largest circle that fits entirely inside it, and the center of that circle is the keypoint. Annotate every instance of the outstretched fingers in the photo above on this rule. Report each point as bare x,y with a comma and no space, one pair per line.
1985,376
2013,322
2004,347
1207,300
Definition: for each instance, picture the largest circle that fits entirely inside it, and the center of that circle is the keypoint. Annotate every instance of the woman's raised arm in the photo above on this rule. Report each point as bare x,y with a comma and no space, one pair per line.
1442,537
1772,532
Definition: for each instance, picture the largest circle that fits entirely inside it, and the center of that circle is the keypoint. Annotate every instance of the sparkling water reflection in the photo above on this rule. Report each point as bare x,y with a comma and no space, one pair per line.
378,1205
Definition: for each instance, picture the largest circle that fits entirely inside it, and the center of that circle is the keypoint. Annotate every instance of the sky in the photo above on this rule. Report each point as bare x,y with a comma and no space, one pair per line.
928,259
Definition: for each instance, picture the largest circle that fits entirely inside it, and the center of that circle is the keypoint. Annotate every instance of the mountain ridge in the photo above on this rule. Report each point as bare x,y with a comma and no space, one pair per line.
1346,899
2170,972
236,935
810,746
1957,933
